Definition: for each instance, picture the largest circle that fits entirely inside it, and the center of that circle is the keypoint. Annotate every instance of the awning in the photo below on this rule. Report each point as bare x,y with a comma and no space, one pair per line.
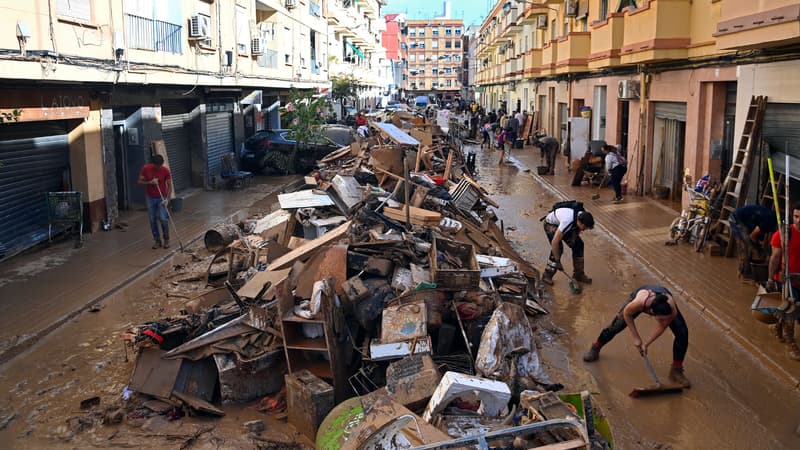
355,49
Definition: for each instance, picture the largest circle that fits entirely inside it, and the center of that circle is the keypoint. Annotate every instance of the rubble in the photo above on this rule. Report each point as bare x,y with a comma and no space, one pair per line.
385,277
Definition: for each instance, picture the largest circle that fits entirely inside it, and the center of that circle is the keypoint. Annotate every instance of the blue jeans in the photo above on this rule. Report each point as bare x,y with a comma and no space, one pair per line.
158,213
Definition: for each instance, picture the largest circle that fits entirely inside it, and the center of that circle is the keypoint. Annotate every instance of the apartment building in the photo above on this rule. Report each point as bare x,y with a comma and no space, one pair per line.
394,54
469,47
87,87
434,57
356,49
669,80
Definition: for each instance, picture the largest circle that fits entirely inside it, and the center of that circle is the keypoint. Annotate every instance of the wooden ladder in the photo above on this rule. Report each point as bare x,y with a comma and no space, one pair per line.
734,189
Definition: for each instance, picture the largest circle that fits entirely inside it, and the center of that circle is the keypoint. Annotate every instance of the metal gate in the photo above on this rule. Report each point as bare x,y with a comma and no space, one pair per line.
176,139
668,144
220,140
34,160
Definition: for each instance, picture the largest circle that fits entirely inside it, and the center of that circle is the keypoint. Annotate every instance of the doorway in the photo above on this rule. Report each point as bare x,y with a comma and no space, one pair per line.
622,125
121,160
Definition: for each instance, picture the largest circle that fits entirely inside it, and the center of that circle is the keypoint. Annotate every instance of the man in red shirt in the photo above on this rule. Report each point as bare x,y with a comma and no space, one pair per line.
784,329
158,182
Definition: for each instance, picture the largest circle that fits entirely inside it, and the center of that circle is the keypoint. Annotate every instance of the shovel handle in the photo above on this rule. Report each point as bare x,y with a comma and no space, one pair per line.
650,368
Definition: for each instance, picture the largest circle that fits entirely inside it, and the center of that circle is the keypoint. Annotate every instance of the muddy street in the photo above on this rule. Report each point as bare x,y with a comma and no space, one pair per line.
734,401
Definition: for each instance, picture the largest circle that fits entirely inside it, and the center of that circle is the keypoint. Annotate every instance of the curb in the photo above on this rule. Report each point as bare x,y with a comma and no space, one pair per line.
703,310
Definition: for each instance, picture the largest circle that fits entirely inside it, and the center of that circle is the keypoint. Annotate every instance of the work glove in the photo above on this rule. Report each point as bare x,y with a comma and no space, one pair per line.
165,202
555,265
771,286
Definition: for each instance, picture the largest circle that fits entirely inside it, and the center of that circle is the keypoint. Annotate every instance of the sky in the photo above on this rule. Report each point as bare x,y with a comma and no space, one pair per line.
471,11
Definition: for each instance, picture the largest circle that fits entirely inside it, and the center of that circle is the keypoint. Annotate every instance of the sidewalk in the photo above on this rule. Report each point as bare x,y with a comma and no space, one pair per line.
44,288
708,283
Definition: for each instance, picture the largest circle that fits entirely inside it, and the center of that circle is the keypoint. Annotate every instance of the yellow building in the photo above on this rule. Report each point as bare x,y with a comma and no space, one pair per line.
433,57
669,80
88,86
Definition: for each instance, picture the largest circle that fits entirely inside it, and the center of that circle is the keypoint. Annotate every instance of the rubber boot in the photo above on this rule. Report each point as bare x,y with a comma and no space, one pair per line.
156,244
777,331
547,276
788,335
593,354
579,274
676,376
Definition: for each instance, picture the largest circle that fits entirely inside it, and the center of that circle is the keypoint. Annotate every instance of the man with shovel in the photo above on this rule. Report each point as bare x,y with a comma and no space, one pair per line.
158,182
656,301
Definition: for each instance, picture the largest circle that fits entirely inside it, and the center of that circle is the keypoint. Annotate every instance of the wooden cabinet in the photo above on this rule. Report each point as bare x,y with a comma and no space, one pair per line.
312,344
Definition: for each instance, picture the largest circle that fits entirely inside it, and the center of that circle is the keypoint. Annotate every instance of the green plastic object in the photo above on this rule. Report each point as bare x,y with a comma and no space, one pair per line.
339,423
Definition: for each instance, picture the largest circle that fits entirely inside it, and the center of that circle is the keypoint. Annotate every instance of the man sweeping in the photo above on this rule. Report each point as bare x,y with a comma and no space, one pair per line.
656,301
158,182
563,225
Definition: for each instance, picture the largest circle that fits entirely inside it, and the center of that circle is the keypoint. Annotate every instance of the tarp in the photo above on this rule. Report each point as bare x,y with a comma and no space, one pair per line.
355,49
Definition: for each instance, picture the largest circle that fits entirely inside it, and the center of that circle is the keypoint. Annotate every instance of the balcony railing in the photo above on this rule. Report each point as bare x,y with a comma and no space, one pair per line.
573,52
655,32
606,43
149,34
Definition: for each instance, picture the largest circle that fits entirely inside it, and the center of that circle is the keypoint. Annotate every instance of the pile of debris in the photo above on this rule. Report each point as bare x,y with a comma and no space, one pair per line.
382,292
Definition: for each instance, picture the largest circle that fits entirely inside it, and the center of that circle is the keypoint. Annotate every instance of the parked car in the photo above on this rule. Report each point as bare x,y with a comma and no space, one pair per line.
275,150
350,116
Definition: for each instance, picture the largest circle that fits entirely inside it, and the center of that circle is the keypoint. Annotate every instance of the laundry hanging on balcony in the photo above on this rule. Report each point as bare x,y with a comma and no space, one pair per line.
355,49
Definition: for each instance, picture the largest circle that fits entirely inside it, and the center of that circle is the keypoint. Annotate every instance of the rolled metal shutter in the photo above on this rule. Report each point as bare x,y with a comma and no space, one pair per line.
35,160
176,139
671,110
220,140
781,126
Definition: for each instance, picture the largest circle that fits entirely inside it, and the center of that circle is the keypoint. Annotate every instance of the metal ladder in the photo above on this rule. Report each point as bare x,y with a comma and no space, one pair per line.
734,189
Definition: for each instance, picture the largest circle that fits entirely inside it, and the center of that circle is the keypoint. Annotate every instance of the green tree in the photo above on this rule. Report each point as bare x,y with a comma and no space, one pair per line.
305,115
343,88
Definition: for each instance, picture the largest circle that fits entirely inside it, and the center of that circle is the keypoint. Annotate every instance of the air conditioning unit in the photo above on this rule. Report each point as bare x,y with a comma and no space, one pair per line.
200,26
571,7
628,90
290,3
541,21
256,46
512,86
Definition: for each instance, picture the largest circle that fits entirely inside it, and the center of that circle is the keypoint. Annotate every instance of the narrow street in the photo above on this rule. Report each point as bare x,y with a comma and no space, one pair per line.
735,402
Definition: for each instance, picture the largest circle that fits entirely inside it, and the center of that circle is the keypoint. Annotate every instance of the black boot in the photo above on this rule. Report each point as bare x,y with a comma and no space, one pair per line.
547,276
579,274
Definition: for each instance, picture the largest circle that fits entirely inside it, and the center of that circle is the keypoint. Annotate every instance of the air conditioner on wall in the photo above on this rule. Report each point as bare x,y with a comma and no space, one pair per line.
199,26
256,46
290,3
541,21
571,7
628,89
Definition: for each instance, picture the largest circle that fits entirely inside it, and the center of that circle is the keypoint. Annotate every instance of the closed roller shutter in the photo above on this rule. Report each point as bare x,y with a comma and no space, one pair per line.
35,160
781,130
176,139
671,110
220,140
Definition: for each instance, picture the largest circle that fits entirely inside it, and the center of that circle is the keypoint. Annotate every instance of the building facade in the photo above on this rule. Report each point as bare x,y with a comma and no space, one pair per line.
434,58
87,87
668,80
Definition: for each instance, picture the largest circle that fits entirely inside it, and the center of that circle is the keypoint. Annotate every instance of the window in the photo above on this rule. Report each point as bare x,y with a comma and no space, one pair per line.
603,9
314,60
403,45
626,3
422,31
75,9
436,31
242,30
435,71
448,44
447,31
435,44
448,70
435,84
314,8
413,32
421,45
458,44
156,29
412,58
421,84
422,71
458,31
447,83
458,57
447,57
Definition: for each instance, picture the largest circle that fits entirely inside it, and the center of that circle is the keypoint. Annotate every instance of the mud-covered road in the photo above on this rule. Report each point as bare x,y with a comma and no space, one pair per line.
734,403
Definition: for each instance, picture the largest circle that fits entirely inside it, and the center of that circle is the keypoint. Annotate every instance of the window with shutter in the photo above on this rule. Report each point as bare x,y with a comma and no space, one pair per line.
75,9
242,30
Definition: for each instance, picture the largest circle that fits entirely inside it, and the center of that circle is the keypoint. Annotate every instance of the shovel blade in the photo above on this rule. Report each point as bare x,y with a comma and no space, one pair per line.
656,389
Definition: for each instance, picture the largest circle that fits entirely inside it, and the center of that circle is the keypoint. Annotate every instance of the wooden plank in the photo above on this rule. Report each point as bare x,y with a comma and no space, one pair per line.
306,249
255,284
449,164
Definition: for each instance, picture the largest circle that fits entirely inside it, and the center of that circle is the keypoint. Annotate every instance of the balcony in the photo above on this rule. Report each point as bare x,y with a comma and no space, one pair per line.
573,52
368,7
533,63
745,24
606,43
658,31
549,58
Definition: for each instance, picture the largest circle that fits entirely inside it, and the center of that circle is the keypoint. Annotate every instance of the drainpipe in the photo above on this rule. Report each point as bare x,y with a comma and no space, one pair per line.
644,81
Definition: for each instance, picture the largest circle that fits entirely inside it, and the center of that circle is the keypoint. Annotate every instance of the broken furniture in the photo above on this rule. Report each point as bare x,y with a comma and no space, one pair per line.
308,400
235,178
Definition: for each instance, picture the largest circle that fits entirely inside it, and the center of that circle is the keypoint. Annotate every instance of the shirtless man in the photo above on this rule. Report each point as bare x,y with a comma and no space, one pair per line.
656,301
